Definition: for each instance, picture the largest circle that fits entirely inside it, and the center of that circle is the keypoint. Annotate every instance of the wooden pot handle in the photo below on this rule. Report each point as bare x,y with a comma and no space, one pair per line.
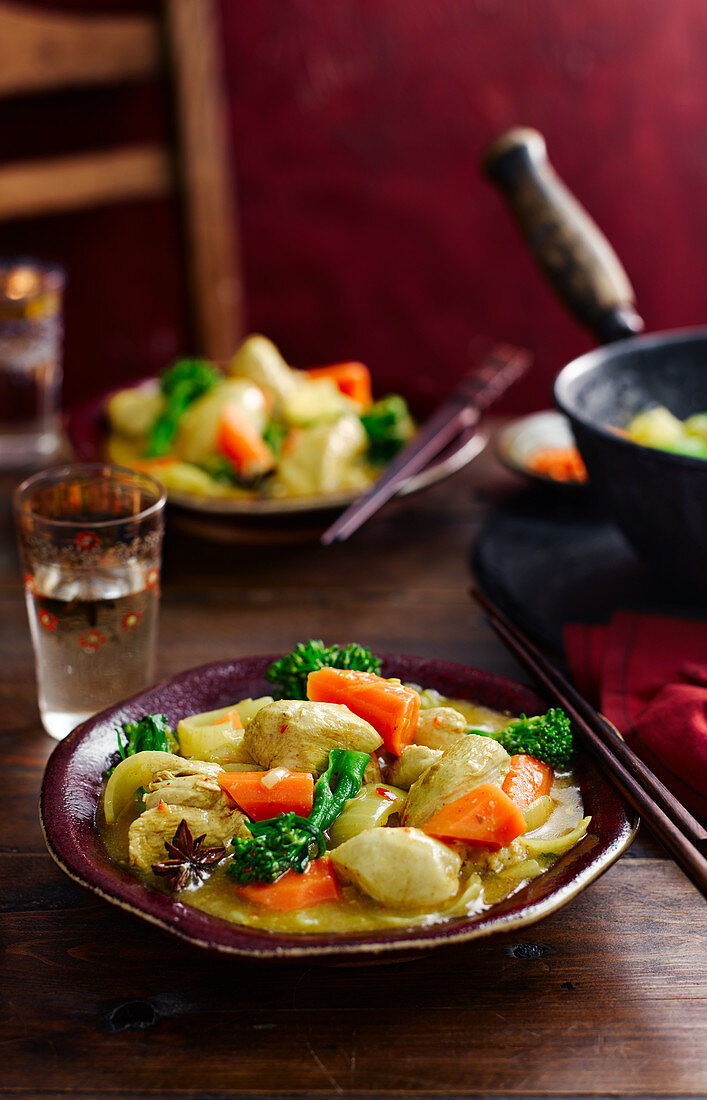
570,248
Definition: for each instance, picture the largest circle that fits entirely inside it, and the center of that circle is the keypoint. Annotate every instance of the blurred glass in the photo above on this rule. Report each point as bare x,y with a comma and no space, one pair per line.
90,538
30,360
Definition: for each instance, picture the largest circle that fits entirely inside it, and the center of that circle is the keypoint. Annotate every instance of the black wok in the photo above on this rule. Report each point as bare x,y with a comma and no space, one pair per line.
658,499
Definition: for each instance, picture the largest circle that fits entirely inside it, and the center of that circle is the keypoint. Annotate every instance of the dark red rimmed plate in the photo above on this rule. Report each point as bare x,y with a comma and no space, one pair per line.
73,782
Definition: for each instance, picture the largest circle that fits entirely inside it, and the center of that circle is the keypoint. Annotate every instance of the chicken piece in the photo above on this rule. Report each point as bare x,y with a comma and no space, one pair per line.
184,766
185,790
400,868
298,735
440,727
412,762
259,360
153,828
471,761
372,771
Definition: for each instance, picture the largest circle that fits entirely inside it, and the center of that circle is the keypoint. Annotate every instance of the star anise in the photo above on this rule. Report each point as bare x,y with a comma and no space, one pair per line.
188,861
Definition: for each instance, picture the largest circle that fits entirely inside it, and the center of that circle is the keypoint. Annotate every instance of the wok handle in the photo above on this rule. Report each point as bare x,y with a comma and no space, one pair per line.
572,251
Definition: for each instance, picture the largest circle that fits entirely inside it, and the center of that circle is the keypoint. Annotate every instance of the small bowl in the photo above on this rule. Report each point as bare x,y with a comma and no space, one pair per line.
658,499
522,438
73,784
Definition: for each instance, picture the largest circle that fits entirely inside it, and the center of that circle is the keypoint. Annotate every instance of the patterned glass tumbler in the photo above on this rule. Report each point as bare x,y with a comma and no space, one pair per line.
90,538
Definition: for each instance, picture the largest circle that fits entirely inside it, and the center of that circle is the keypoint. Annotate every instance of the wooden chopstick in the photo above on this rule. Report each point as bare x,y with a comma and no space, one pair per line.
461,410
680,832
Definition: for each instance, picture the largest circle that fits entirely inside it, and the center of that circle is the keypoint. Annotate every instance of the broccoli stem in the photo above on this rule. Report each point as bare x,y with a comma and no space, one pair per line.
346,768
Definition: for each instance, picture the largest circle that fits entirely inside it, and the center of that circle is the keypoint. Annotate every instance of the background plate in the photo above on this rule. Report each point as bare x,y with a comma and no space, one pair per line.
259,520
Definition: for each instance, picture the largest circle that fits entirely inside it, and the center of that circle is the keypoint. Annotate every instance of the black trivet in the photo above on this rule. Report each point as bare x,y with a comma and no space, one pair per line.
550,557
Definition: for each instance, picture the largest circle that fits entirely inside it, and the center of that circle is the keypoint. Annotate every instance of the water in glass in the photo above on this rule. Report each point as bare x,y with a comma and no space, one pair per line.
94,637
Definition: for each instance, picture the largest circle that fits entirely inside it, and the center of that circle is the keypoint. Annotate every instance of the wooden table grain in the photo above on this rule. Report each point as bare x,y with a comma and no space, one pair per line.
605,998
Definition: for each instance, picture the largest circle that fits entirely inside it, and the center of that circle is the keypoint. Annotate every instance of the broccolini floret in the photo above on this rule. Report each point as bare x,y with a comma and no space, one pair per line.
186,380
546,736
388,426
289,842
290,673
149,733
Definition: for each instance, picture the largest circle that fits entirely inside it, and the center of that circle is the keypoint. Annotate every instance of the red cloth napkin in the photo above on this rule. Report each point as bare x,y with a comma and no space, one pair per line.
648,676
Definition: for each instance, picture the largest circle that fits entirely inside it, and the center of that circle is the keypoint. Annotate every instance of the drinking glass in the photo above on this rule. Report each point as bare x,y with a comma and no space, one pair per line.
90,538
30,360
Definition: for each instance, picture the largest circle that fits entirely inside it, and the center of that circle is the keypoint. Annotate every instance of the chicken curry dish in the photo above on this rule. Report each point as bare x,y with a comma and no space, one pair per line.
255,428
344,801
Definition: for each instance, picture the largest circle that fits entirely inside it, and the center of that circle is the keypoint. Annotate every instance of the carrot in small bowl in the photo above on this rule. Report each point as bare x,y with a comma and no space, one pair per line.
559,463
238,440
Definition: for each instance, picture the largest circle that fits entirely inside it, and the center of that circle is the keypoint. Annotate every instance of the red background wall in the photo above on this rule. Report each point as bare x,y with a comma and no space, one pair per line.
357,129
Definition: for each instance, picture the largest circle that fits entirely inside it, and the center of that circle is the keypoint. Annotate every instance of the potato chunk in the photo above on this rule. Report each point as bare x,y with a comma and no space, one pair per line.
400,868
323,459
133,412
198,429
259,360
298,735
469,762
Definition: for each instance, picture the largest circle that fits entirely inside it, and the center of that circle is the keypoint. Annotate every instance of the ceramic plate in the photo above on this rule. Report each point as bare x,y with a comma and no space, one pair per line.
73,782
87,431
523,437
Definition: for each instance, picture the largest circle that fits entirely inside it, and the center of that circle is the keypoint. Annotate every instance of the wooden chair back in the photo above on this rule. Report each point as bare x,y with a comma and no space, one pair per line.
41,52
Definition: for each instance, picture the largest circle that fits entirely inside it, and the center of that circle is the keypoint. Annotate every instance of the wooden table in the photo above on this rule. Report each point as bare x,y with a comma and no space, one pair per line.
604,999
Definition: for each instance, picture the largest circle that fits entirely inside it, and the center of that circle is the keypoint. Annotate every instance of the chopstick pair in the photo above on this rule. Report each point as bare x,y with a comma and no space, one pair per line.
483,385
681,833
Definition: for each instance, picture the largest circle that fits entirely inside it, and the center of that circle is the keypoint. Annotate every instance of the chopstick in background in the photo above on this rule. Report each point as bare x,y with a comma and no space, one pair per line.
681,833
479,388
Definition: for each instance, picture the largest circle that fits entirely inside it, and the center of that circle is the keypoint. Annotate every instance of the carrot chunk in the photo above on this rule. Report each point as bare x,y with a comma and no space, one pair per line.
559,463
238,440
484,815
233,718
527,779
262,795
353,379
294,890
391,708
